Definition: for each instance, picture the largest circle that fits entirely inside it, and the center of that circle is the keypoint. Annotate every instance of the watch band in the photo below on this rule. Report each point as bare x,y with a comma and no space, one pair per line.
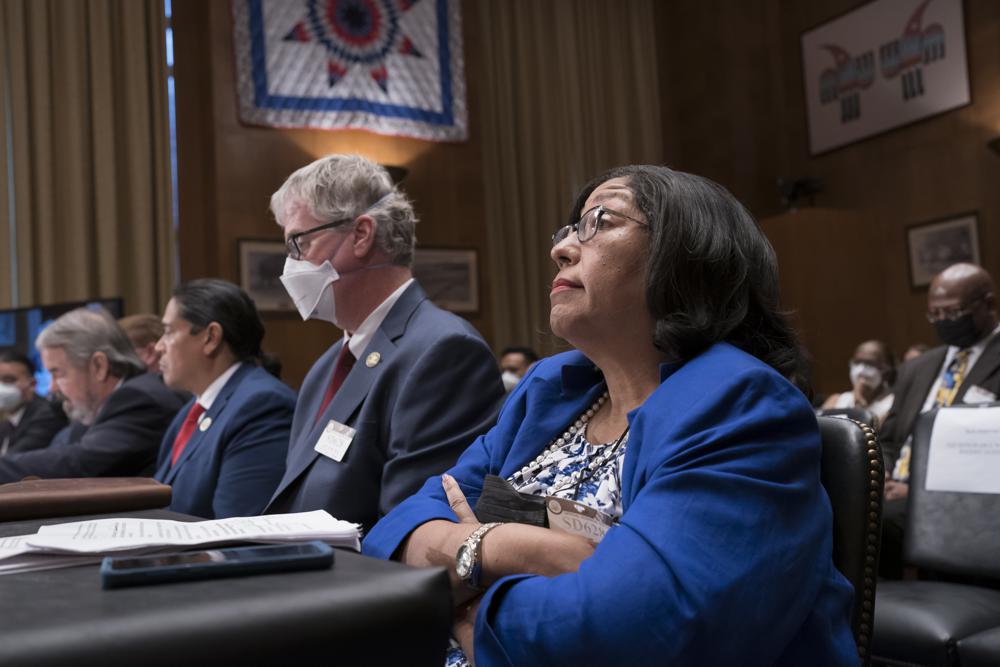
468,560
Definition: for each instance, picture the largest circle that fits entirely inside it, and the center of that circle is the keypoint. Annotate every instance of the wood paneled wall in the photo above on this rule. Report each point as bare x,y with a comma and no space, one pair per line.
734,110
227,172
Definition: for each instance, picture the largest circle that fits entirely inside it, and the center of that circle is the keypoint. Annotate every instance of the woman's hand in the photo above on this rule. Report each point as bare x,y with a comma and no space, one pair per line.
456,500
512,548
515,548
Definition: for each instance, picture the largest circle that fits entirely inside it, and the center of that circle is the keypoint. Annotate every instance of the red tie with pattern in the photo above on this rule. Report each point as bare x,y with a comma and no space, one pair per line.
187,428
345,361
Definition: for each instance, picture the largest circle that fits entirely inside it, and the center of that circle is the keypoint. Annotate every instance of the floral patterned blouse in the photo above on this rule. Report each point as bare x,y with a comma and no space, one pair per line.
601,490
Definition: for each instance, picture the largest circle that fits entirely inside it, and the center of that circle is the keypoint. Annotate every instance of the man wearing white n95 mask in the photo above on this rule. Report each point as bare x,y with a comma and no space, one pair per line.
409,386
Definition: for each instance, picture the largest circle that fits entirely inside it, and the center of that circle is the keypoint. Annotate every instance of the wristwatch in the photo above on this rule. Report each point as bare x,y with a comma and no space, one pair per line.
468,559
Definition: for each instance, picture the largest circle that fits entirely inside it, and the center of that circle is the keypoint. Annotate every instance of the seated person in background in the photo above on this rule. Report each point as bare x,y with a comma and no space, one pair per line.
366,435
966,369
514,363
872,371
914,351
144,331
33,421
119,411
224,454
675,420
962,306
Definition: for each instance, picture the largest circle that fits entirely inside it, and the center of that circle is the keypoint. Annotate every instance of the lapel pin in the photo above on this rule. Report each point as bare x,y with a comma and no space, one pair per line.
205,424
371,361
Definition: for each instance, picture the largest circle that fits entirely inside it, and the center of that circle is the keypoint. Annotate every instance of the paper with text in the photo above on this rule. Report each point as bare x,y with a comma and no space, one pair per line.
125,533
964,452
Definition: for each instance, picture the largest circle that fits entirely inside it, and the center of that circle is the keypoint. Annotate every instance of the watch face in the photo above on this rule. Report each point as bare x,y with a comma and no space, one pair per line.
463,561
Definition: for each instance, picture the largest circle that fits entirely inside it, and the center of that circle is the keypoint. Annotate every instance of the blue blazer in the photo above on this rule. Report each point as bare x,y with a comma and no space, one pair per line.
232,467
424,388
724,552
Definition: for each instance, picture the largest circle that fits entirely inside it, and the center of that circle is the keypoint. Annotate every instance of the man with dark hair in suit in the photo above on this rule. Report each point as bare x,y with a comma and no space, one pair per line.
224,454
33,421
962,306
367,435
119,411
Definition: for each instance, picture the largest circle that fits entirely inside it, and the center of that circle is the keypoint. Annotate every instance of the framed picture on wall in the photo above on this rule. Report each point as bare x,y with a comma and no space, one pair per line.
261,263
885,64
450,276
936,245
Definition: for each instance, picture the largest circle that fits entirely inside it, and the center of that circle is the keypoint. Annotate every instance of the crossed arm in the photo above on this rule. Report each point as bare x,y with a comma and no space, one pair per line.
512,548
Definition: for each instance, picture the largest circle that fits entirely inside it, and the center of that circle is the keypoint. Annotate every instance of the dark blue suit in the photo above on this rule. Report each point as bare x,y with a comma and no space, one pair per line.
434,388
232,467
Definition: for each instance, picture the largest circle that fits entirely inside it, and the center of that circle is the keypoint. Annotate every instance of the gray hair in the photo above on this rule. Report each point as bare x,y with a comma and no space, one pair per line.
339,187
83,332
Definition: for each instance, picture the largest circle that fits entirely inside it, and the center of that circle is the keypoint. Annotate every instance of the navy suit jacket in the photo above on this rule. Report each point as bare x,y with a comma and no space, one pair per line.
122,441
233,466
434,387
39,424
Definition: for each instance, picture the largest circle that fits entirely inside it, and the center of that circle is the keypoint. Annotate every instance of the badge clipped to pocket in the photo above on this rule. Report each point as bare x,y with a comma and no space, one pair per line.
335,440
576,518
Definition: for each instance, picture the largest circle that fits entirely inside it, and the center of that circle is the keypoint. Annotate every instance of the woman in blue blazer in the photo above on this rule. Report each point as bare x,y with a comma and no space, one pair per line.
674,423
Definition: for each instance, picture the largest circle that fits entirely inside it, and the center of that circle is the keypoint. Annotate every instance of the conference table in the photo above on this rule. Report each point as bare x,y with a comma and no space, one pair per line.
362,611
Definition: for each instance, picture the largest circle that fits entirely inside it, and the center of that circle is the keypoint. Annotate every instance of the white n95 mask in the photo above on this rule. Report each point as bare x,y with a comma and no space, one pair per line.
510,380
871,375
309,287
10,397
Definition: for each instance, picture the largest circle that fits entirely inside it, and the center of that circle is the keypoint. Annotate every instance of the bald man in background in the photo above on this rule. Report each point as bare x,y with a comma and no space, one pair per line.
962,306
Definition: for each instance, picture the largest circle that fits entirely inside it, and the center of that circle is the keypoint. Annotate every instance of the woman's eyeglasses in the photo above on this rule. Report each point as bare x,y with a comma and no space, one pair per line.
589,224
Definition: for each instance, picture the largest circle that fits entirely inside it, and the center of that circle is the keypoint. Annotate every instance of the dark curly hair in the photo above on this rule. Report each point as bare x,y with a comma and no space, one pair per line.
711,275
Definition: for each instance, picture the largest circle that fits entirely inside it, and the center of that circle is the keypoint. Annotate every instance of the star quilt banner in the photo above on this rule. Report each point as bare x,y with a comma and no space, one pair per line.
393,67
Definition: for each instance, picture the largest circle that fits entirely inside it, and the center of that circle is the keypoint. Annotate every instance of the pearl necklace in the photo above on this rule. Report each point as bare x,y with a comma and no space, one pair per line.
532,468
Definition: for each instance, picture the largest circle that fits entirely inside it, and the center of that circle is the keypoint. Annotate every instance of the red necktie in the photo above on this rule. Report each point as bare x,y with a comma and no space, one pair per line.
187,428
345,361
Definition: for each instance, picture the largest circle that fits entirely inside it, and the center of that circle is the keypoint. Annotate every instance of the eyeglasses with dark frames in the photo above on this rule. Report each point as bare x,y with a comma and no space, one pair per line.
589,224
952,314
295,249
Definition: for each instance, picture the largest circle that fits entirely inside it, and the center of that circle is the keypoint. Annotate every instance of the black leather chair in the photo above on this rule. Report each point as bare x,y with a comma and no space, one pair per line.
852,475
954,535
980,650
862,415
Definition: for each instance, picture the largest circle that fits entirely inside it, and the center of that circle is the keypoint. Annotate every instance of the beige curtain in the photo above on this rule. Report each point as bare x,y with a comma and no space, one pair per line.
569,88
85,85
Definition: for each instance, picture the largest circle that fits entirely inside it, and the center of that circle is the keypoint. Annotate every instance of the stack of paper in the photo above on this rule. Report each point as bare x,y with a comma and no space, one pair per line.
81,542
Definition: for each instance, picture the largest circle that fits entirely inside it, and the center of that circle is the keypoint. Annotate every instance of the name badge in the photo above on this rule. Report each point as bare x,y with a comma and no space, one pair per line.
976,394
335,440
576,518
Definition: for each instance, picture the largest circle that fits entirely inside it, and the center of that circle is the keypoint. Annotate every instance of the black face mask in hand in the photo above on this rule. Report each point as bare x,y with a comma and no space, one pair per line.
502,502
961,333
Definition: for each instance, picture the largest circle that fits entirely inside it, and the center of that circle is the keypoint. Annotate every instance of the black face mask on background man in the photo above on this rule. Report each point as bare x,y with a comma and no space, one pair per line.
960,332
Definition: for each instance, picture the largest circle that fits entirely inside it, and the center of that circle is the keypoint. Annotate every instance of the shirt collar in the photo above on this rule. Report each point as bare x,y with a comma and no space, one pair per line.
359,341
207,397
15,417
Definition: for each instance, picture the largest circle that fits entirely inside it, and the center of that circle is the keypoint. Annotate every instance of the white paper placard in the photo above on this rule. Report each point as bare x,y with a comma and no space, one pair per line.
964,452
